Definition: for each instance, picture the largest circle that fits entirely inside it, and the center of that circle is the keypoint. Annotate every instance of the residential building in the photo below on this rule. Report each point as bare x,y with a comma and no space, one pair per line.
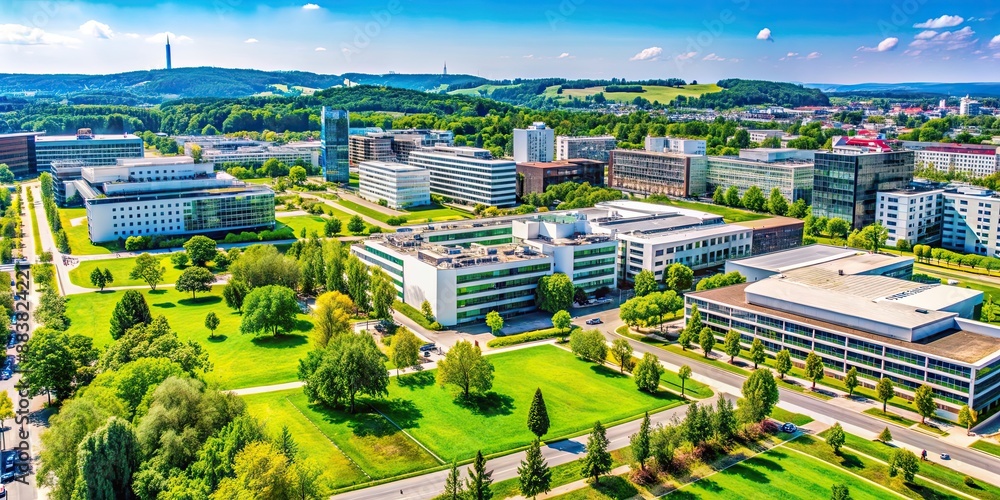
535,177
593,148
468,175
85,146
335,125
535,143
971,222
911,214
789,170
912,333
370,148
974,160
170,196
774,233
968,107
673,145
847,180
18,152
400,185
650,172
760,135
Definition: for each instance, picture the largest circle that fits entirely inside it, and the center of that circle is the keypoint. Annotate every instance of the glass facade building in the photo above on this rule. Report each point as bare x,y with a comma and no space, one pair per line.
18,152
846,185
335,125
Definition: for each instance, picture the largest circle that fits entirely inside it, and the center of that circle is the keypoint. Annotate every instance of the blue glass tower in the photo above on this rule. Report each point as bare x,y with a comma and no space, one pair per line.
168,53
334,125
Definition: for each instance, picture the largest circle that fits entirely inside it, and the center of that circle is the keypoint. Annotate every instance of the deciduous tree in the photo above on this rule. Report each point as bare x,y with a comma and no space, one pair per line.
760,394
358,283
836,437
840,492
147,268
923,399
645,283
884,391
494,321
331,317
563,321
732,345
679,277
405,350
97,278
356,225
776,202
621,351
108,458
200,249
903,462
554,293
757,353
640,443
465,367
350,365
647,373
269,309
967,417
589,345
783,363
706,340
211,322
814,368
234,293
383,293
851,380
683,373
195,279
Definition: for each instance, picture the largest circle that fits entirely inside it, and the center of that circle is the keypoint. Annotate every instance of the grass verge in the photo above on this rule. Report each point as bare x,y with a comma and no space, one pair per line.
783,415
889,416
987,447
120,269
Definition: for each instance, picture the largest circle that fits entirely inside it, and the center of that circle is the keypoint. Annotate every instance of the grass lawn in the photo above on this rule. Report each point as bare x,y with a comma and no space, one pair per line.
309,222
372,442
79,237
783,415
779,473
120,269
437,213
239,360
730,215
651,93
35,232
561,474
577,393
364,210
275,409
987,447
889,417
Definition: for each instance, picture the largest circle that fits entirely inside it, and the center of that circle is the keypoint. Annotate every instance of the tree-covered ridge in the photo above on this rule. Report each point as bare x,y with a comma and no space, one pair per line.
739,93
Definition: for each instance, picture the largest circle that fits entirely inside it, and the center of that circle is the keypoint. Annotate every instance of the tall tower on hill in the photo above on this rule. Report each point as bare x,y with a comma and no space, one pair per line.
168,52
446,68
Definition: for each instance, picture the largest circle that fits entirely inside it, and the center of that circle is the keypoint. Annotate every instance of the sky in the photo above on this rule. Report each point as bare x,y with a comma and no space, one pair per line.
845,41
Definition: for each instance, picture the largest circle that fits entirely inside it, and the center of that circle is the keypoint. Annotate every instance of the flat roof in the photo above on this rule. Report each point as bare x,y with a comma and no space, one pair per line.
776,221
21,134
963,346
394,166
796,257
569,162
96,137
700,231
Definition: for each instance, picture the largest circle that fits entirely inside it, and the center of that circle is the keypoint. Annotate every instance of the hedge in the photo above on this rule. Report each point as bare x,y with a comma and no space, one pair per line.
521,338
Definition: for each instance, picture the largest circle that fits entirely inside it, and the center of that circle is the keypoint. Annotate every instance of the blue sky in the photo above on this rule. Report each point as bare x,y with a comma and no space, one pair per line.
805,41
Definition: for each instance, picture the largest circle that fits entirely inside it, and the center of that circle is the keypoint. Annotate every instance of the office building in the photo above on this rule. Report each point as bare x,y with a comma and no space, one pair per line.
334,126
592,148
468,175
911,214
789,170
85,146
586,257
847,180
912,333
968,107
972,159
400,185
649,172
170,196
406,141
774,233
673,145
18,152
760,136
370,148
255,156
843,261
535,143
971,222
535,177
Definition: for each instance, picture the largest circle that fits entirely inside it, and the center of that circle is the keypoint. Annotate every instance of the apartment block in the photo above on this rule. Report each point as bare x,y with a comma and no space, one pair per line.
535,143
971,222
914,215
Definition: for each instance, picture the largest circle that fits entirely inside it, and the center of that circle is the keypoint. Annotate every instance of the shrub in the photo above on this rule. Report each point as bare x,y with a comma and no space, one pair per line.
521,338
398,220
971,483
435,326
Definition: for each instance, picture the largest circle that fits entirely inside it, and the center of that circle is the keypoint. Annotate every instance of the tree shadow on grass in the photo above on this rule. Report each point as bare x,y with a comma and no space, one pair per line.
105,292
280,341
165,305
490,404
157,292
217,339
201,301
615,487
402,411
417,380
850,461
769,464
750,474
302,325
607,372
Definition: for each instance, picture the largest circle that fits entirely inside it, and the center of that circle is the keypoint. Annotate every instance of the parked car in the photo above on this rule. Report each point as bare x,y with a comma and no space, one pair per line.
788,427
428,347
594,321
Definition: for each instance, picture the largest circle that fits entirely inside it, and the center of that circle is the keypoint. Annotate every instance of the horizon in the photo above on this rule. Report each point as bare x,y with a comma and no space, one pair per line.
574,39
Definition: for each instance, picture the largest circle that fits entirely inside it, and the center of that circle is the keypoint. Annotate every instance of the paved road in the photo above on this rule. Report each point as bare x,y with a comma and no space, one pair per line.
505,467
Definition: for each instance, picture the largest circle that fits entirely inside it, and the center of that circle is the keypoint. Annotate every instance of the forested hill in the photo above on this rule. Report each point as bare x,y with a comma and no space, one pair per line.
739,92
159,85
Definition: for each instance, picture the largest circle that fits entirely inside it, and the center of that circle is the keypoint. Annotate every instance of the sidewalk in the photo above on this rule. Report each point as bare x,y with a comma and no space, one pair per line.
374,206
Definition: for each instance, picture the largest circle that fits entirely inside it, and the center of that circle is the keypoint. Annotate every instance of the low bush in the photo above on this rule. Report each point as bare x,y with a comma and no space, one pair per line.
521,338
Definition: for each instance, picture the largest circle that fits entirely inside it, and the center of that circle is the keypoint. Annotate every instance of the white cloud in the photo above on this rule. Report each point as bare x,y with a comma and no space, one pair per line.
995,42
944,21
791,54
96,29
713,57
765,34
925,35
883,46
251,40
18,34
132,35
320,49
650,54
685,56
161,38
310,6
564,55
529,56
912,52
947,40
813,55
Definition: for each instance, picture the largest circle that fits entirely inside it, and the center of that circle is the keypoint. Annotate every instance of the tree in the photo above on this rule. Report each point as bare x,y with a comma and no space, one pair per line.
260,471
589,345
6,176
885,436
155,340
332,227
757,353
331,317
211,322
383,293
107,459
851,381
904,462
534,474
356,225
814,368
719,196
725,421
874,236
297,175
147,268
563,321
348,366
494,321
645,283
733,196
465,367
358,282
840,492
837,227
108,277
130,310
48,365
923,399
683,373
798,210
261,265
478,484
731,345
554,293
697,424
783,363
200,249
776,202
902,246
538,415
760,394
234,294
706,340
269,309
884,391
647,373
6,412
195,279
754,199
621,351
453,489
405,349
179,259
836,437
640,443
97,278
679,277
597,461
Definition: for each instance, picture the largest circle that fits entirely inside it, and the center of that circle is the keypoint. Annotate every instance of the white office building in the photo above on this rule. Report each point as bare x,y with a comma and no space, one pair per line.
468,175
257,155
593,148
968,107
760,136
974,160
86,147
789,170
535,143
971,222
400,185
672,145
913,215
170,196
